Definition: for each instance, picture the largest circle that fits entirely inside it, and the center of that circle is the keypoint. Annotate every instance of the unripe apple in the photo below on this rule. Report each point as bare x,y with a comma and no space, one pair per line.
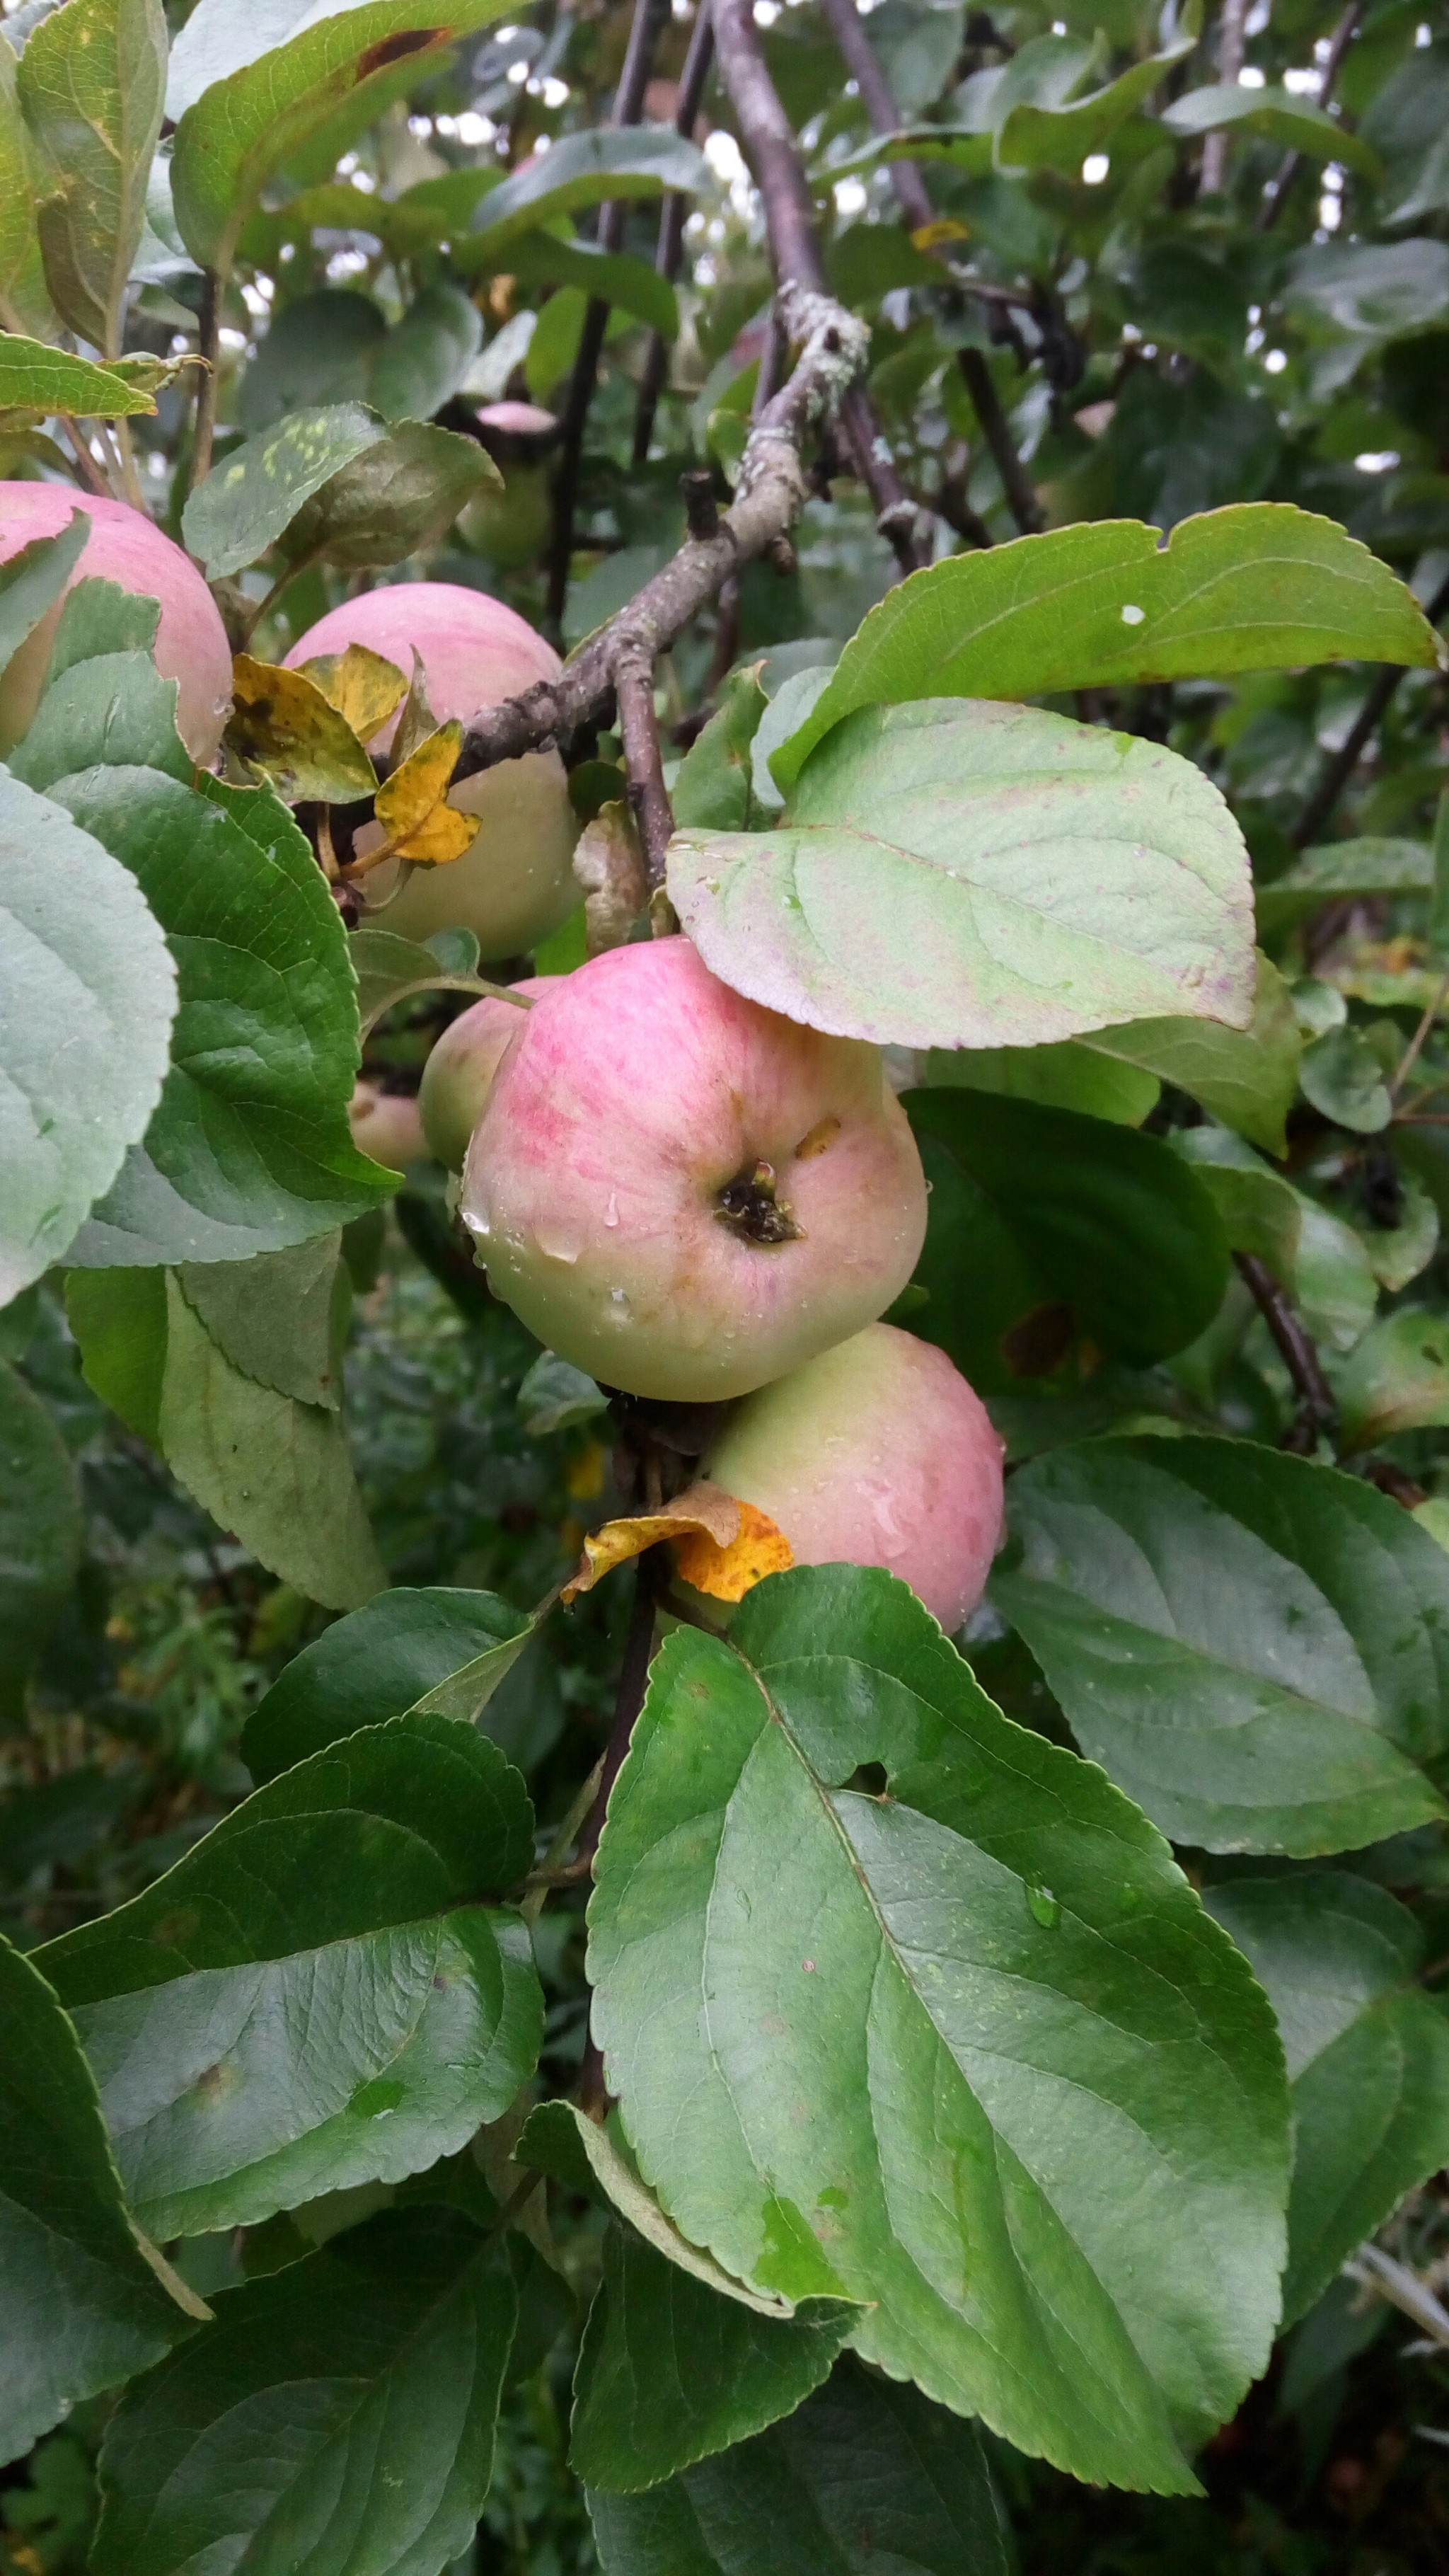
124,546
515,883
876,1453
683,1193
386,1125
458,1075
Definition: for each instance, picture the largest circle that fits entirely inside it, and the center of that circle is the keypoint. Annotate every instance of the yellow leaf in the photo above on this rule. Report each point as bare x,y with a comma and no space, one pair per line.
363,688
728,1573
412,807
282,725
933,236
705,1509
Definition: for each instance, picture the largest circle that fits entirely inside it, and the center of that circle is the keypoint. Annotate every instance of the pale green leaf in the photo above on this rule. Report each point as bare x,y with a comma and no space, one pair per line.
92,84
252,496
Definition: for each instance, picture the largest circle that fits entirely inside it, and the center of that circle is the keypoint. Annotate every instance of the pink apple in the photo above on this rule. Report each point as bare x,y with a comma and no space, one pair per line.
386,1125
515,884
126,547
683,1193
458,1075
876,1453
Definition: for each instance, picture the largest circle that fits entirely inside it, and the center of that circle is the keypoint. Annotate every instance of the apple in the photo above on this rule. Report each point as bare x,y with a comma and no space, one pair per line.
386,1125
125,547
684,1193
877,1452
515,883
458,1075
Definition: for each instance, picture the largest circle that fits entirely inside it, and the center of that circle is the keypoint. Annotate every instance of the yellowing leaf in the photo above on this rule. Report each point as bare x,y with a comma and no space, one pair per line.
411,805
758,1548
283,726
363,687
701,1510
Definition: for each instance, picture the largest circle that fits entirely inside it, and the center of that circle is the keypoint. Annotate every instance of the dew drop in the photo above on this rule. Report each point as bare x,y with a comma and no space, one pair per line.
1043,1907
558,1246
1133,616
611,1212
619,1309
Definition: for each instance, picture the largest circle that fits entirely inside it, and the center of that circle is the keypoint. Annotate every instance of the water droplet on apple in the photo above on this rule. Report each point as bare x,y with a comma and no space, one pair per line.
558,1246
611,1212
619,1309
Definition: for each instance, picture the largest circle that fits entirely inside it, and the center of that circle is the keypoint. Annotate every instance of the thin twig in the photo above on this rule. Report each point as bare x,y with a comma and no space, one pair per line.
670,248
1345,760
1016,483
649,16
1232,45
795,249
546,1875
643,763
1277,189
769,496
1317,1406
1415,1047
90,472
208,345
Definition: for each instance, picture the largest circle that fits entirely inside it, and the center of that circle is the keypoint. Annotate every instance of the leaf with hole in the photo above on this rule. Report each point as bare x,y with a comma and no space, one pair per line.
1256,1648
952,874
318,1994
1260,586
966,2050
1367,2050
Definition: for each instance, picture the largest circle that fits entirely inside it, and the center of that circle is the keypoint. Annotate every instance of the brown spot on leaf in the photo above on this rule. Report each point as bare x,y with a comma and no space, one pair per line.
1039,1341
396,49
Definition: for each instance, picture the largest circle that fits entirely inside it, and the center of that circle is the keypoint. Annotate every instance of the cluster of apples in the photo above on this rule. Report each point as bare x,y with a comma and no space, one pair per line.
684,1194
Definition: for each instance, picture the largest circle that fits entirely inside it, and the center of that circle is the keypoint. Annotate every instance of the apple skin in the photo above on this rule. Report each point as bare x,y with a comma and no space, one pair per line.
458,1075
515,883
637,1091
386,1125
125,547
876,1453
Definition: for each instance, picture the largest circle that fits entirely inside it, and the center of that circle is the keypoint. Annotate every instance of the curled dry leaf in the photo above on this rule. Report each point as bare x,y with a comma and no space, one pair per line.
363,687
723,1546
412,805
609,865
283,727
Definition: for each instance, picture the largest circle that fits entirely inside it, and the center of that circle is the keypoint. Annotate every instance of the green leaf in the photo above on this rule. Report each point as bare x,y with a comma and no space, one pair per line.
276,1473
1380,290
40,1533
401,495
251,86
585,169
83,2306
249,1149
318,353
36,378
865,2473
712,790
1367,2050
92,84
423,361
98,617
1261,1212
91,995
1255,1647
21,286
950,875
339,2414
967,2050
1362,867
315,1996
33,579
1256,587
670,2372
618,278
247,501
555,1396
432,1650
280,1318
389,968
1396,1379
1032,136
108,711
1044,1225
118,1318
1342,1077
1245,1077
1069,1076
1271,115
